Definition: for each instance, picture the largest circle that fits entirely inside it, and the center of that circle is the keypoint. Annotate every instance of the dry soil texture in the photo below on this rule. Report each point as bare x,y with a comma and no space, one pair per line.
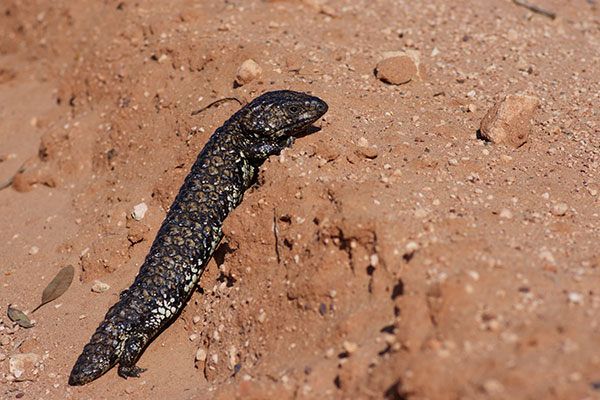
416,261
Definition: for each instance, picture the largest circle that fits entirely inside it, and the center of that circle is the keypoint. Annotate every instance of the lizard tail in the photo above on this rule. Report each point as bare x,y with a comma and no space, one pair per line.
97,357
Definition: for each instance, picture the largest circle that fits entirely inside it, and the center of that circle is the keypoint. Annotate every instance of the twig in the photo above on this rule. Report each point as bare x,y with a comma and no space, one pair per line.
535,8
214,103
18,344
275,232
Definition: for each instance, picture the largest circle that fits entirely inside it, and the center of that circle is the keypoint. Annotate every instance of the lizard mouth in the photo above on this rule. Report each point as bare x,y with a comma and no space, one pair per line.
314,109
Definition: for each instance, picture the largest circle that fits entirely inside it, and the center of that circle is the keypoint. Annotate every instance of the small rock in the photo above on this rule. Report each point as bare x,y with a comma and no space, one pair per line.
575,376
396,70
522,64
201,355
492,386
374,259
247,72
420,213
575,298
322,309
21,363
329,11
506,214
350,347
412,246
100,287
262,316
34,250
367,152
363,142
139,211
232,359
509,121
315,4
547,256
560,209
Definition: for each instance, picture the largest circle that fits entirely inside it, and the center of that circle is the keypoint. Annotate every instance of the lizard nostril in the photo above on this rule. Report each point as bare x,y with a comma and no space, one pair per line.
322,107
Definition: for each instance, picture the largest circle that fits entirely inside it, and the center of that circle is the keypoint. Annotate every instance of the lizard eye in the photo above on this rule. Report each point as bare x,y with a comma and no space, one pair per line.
294,109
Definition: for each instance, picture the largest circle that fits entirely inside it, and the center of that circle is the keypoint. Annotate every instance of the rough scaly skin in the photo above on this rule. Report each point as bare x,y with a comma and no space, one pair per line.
191,231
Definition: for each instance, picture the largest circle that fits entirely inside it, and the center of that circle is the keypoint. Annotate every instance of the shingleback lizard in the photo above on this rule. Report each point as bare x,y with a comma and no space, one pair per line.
187,238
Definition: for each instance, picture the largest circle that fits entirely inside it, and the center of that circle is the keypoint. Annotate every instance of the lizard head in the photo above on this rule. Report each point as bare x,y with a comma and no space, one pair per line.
280,115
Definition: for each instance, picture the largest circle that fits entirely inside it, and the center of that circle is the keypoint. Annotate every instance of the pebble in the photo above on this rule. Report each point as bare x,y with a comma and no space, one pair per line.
139,211
19,363
322,309
411,246
201,355
232,360
350,347
547,256
396,70
374,260
247,72
492,386
34,250
509,120
100,287
560,209
420,213
193,337
367,152
196,319
506,214
261,317
315,4
575,298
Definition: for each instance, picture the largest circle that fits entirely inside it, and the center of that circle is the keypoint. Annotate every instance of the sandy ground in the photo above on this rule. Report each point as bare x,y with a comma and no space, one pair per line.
416,261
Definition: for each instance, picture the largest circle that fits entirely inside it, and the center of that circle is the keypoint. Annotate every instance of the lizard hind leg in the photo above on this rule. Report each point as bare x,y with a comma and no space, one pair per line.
131,353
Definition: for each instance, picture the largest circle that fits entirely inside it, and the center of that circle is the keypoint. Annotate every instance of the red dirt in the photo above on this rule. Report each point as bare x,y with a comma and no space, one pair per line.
416,260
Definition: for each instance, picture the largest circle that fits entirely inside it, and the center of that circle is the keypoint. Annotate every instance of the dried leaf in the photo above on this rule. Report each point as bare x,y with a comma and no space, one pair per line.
58,286
19,317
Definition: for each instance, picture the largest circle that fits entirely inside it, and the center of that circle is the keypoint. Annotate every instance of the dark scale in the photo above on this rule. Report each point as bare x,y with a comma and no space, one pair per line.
191,231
